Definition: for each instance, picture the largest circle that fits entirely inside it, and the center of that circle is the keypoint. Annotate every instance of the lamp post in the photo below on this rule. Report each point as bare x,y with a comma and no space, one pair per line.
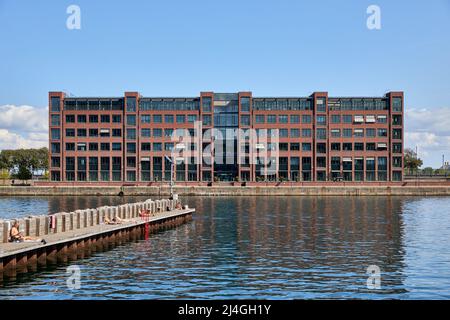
172,161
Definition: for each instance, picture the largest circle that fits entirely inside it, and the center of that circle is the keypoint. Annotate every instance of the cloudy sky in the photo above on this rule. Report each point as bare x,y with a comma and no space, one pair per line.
272,48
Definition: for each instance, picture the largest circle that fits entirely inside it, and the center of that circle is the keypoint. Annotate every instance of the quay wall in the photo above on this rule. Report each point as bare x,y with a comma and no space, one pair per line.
281,190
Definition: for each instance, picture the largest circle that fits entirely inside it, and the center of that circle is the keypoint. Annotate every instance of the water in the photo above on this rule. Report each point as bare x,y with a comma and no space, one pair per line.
261,247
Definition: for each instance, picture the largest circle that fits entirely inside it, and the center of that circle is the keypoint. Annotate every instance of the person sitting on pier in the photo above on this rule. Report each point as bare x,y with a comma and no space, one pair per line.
145,213
16,236
115,220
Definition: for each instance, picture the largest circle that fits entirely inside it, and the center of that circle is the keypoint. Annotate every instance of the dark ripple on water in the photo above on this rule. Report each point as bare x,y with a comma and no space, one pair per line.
272,247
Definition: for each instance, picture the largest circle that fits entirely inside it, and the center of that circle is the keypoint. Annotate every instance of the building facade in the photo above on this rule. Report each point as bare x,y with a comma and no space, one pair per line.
225,137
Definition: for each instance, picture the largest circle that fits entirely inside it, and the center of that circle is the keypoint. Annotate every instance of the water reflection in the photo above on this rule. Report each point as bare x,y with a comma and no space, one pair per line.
267,247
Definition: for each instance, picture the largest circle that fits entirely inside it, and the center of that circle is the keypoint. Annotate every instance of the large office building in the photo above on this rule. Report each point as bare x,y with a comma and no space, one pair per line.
137,140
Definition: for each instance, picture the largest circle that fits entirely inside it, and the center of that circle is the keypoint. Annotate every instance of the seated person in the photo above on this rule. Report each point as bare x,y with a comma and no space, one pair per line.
115,220
145,213
16,236
178,206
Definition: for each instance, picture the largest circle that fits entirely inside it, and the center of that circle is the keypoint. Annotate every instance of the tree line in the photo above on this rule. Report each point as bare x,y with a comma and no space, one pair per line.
21,164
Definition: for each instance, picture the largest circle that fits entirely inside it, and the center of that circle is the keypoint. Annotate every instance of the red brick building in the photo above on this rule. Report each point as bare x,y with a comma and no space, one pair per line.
134,139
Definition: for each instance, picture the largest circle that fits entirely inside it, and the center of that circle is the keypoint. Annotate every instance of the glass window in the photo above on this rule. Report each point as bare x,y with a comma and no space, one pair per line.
306,133
370,132
55,147
55,120
321,133
116,118
55,134
260,118
271,118
245,120
321,105
145,118
192,118
104,118
70,118
321,120
397,104
157,132
131,120
397,133
131,147
157,146
335,118
145,132
284,133
146,146
295,133
181,118
306,118
70,132
104,146
56,104
245,104
81,118
93,132
283,118
206,120
336,133
93,118
131,104
168,118
347,133
206,104
382,132
306,146
116,146
347,118
116,132
295,118
157,118
131,134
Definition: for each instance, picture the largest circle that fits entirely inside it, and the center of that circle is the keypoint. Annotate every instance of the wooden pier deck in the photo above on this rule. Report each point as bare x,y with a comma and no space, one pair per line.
61,247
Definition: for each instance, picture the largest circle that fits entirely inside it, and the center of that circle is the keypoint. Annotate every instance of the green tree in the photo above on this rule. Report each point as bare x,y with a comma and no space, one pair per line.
428,171
411,161
4,175
24,174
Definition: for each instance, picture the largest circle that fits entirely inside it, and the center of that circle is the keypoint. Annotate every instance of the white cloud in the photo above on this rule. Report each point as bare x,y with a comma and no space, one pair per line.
429,130
23,118
23,127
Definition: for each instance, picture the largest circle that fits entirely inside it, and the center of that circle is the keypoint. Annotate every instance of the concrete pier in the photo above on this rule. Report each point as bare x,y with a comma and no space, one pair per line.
75,235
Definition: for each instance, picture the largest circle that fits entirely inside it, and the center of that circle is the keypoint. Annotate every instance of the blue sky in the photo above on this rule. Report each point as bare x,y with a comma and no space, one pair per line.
179,48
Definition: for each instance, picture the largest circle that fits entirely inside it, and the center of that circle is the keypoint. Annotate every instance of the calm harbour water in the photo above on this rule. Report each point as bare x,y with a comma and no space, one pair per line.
260,247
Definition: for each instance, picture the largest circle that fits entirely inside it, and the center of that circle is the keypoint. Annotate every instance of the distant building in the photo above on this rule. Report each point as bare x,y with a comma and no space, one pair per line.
131,139
446,166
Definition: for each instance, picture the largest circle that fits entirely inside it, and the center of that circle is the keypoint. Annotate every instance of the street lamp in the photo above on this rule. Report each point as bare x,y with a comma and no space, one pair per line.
172,161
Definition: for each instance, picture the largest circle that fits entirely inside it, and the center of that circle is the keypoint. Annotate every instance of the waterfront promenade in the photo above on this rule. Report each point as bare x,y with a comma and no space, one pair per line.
411,188
71,236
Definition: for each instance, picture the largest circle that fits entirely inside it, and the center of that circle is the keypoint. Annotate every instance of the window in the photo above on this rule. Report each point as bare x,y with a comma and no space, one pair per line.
104,118
371,146
321,162
245,120
397,120
157,146
168,132
56,104
70,146
206,104
131,162
93,146
55,134
359,146
397,148
131,134
104,146
271,118
157,133
283,118
245,104
295,133
168,146
168,118
321,133
116,146
104,133
117,118
116,132
295,146
70,118
335,118
260,118
382,163
358,133
192,118
347,146
145,133
397,162
306,146
306,118
93,132
397,104
321,120
397,133
131,104
321,148
370,132
146,146
347,133
306,133
81,118
55,120
347,118
284,133
382,119
93,118
336,163
81,146
397,176
206,120
295,118
181,118
131,175
321,105
382,132
55,147
335,146
70,132
131,147
81,133
157,118
131,120
336,133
